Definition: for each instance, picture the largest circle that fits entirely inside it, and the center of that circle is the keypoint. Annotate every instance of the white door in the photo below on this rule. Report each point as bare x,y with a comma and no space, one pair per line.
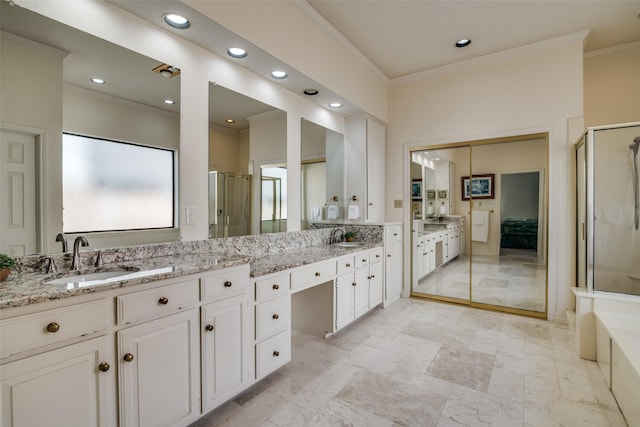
344,300
375,170
224,332
393,272
18,217
361,292
375,285
71,386
158,371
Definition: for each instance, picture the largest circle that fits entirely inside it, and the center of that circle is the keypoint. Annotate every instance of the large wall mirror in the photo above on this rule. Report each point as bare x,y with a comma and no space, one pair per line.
247,165
322,175
47,90
480,223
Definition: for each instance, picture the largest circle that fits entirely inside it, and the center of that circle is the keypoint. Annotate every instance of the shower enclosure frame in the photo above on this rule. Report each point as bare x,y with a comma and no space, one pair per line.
586,231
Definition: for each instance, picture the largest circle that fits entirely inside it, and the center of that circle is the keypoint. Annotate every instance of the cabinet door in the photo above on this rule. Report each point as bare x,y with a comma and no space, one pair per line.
225,349
375,170
158,371
393,272
376,291
71,386
361,292
344,300
427,265
417,259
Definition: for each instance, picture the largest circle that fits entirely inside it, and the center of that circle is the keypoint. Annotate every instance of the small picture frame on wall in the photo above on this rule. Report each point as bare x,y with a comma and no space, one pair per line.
442,194
431,194
478,186
416,190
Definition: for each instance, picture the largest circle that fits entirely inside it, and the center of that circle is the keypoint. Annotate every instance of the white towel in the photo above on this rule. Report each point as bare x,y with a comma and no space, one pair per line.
316,213
480,226
332,212
354,212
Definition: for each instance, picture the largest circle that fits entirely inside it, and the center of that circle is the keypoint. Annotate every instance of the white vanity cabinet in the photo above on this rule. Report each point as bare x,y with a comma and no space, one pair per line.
273,321
73,385
392,263
365,136
158,360
225,333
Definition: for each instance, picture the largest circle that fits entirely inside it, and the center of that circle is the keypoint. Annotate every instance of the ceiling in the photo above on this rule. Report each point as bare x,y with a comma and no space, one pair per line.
404,37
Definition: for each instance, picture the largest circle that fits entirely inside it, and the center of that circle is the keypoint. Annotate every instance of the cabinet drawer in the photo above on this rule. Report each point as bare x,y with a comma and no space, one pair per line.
392,233
273,353
272,287
160,301
313,275
345,265
272,317
227,283
375,255
35,330
362,259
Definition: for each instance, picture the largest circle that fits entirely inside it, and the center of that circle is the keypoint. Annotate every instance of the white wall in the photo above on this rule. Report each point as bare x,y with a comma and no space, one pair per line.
228,151
534,89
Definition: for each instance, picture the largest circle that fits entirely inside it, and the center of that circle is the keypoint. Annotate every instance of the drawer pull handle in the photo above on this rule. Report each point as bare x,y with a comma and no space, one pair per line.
53,327
276,286
227,284
373,276
276,353
104,367
377,255
128,357
354,284
317,274
395,234
388,255
209,328
348,265
163,300
275,316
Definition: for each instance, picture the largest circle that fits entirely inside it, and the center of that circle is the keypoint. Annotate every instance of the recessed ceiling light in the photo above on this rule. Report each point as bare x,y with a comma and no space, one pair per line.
169,101
335,105
463,42
279,74
176,21
237,52
98,80
310,91
230,121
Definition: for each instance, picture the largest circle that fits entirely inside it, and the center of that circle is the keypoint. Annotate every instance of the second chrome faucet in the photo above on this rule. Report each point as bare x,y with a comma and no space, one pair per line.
76,263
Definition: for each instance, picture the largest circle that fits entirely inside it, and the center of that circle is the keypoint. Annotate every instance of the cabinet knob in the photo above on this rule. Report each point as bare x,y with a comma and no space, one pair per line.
53,327
373,276
163,300
377,255
369,277
275,316
276,353
388,255
353,284
370,204
364,260
276,286
395,234
128,357
348,265
104,367
317,274
227,284
208,328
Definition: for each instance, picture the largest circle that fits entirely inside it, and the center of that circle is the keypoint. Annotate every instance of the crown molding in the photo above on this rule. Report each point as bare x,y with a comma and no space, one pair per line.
613,49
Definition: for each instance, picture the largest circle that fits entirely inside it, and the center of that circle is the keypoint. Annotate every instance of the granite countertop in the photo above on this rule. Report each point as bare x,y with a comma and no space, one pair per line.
31,288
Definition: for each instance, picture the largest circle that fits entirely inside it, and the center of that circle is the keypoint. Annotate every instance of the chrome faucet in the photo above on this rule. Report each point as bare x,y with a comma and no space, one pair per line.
334,239
76,263
61,237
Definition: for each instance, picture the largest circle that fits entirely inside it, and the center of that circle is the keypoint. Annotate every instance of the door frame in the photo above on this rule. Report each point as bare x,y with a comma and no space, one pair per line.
41,201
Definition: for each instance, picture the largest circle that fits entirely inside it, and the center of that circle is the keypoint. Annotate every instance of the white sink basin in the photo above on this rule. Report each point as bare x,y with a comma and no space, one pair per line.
349,244
88,279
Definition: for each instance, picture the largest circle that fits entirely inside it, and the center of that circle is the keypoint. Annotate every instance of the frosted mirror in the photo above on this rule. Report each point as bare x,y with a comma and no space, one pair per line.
247,164
49,91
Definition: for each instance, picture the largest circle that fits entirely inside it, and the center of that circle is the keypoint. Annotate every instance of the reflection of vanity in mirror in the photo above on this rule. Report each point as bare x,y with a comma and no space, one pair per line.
48,91
322,175
435,174
247,165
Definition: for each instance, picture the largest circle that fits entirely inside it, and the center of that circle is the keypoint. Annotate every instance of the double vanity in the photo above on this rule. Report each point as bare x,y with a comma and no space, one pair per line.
172,331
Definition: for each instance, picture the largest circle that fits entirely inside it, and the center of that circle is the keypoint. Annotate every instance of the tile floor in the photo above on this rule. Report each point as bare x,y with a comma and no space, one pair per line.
422,363
514,280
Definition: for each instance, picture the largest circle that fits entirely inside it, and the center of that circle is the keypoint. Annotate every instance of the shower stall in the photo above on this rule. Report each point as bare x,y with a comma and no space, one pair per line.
608,209
229,204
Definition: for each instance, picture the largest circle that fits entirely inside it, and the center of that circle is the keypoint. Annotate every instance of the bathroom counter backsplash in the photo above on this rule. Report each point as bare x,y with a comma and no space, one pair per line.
267,253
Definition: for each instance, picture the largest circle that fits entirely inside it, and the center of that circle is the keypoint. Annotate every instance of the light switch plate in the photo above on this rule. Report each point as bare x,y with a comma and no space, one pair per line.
397,203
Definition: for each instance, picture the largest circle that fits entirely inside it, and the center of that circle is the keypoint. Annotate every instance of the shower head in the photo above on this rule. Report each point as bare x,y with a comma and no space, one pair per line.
635,145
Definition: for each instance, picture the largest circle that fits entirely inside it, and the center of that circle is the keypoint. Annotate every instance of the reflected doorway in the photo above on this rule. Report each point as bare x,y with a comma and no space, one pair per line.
229,204
273,207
